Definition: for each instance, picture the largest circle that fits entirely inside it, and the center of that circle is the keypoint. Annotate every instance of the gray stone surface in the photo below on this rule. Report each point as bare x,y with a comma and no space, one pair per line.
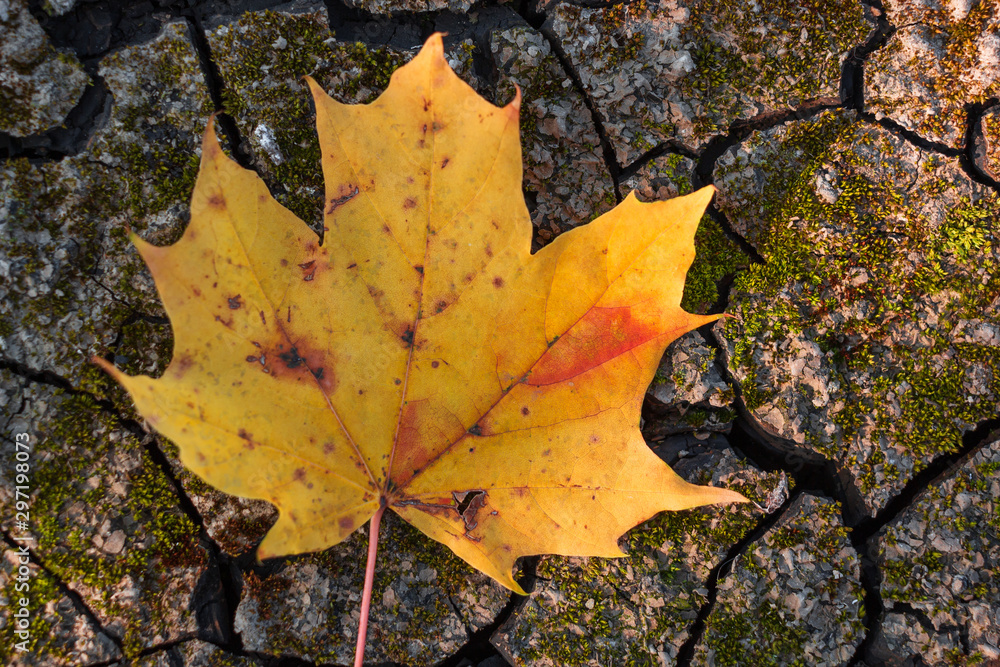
794,596
944,56
564,168
426,602
869,335
38,85
389,7
637,609
689,380
685,70
106,523
941,565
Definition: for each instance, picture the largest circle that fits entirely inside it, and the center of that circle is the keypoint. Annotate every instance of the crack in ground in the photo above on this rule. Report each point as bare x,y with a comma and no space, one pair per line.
925,622
73,134
910,136
971,157
852,70
78,602
479,646
221,584
216,89
696,630
668,147
538,19
813,473
152,650
742,128
739,131
975,158
865,534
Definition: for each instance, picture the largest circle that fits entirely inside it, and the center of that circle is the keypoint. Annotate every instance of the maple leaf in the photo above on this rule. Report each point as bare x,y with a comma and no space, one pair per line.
421,358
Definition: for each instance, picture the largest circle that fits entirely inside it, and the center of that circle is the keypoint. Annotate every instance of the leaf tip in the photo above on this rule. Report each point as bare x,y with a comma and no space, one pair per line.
435,45
108,368
433,51
314,88
515,104
726,496
210,140
702,197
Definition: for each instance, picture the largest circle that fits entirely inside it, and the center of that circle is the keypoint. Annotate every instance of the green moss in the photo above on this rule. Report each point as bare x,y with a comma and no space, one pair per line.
757,628
760,636
264,86
875,227
74,453
715,258
943,70
42,641
774,65
596,610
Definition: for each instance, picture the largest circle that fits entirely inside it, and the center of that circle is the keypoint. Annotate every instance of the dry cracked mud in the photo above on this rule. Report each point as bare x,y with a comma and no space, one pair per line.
854,394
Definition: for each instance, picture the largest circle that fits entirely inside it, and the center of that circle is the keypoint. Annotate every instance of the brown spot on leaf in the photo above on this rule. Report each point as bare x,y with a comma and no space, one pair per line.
409,202
444,162
434,364
345,193
308,270
299,363
180,365
217,201
197,292
299,474
346,523
235,302
497,282
328,448
525,411
249,444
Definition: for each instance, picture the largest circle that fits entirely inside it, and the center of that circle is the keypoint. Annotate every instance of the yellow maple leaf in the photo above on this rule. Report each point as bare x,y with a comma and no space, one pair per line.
421,358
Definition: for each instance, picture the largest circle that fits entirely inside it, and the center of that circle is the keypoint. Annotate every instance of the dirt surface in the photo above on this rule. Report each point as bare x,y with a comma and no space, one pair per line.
854,394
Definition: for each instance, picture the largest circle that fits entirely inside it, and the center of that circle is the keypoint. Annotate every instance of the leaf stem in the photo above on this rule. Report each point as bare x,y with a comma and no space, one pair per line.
366,596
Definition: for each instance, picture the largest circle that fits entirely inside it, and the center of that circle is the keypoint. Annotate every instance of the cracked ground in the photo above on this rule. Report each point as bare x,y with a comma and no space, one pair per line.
854,394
